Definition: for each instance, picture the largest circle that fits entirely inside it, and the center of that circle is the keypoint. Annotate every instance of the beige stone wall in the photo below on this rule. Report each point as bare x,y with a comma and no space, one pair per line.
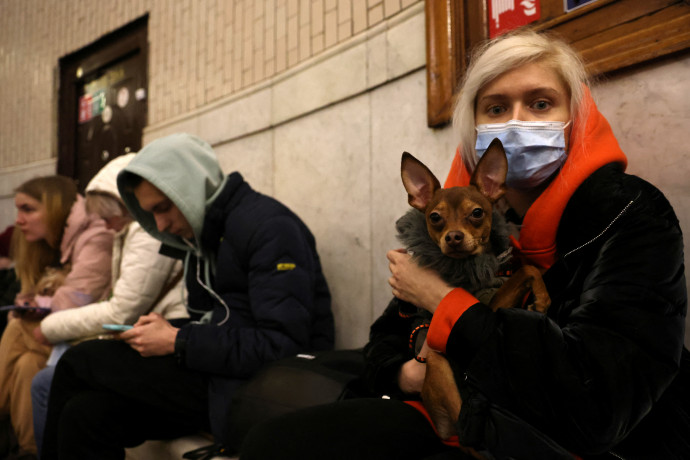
201,51
324,133
324,136
219,47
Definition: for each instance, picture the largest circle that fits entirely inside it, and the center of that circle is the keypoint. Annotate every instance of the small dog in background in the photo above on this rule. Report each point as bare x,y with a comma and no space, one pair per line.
51,280
36,304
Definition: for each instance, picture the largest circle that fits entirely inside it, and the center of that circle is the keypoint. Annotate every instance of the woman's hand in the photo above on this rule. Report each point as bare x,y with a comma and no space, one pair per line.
411,377
151,335
412,373
25,300
419,286
5,263
40,338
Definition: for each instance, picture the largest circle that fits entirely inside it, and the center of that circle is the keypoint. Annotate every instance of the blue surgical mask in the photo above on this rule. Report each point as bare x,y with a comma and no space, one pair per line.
535,149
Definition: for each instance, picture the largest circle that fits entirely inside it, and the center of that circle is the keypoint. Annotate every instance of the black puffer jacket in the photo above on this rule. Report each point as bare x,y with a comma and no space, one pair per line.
269,275
593,375
252,266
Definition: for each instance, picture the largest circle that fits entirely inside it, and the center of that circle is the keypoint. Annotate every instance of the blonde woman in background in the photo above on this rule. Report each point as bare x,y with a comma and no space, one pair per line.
57,243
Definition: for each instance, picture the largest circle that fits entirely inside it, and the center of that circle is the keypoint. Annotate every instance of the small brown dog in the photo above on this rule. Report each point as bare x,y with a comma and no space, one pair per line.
51,280
459,221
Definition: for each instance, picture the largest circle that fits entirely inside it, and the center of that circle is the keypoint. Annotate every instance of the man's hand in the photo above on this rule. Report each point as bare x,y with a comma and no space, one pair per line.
419,286
151,335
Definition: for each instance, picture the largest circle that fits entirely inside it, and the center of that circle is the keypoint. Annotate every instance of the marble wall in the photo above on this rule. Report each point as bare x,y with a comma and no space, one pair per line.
326,138
200,51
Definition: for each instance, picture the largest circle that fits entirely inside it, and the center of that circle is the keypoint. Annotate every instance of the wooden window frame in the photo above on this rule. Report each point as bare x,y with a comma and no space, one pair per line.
642,30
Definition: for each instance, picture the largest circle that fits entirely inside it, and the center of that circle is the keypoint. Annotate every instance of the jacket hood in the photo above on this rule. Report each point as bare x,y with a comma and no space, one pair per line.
185,169
592,145
105,181
78,223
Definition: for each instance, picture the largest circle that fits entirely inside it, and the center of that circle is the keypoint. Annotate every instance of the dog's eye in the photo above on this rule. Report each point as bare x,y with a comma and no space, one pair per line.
477,213
434,217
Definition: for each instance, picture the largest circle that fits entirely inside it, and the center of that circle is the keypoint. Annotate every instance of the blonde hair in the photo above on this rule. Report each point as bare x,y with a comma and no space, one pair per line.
105,205
57,194
506,53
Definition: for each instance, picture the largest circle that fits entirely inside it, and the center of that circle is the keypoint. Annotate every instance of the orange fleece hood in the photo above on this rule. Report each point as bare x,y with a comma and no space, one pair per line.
590,149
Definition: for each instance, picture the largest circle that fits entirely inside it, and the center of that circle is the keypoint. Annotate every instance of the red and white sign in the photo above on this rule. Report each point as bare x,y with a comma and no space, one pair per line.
85,112
505,15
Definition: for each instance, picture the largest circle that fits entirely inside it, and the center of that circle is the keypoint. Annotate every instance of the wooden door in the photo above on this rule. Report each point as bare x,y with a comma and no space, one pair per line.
103,102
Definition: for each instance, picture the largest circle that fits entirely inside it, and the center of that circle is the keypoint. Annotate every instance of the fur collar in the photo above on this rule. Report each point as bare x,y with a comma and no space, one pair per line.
472,273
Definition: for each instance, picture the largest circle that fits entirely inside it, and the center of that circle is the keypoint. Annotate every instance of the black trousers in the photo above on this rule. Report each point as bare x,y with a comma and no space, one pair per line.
362,429
105,396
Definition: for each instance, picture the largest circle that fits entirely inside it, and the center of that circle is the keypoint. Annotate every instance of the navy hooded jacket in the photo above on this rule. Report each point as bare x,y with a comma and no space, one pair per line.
252,271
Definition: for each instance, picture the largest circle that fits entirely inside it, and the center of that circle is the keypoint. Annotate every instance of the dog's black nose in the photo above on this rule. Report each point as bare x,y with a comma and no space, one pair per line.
454,238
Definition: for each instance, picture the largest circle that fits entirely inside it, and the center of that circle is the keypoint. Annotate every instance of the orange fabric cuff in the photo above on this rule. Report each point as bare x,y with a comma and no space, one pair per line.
448,312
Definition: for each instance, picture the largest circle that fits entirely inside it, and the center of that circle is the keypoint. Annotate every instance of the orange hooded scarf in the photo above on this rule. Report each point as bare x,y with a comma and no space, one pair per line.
590,149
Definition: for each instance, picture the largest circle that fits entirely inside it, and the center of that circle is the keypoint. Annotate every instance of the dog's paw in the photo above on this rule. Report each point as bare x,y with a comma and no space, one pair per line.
542,300
440,395
540,304
443,422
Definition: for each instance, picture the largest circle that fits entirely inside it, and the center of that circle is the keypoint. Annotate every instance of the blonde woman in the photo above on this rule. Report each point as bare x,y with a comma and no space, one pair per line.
54,238
604,372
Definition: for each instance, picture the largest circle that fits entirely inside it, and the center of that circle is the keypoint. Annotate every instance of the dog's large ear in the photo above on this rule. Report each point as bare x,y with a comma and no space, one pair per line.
418,180
490,173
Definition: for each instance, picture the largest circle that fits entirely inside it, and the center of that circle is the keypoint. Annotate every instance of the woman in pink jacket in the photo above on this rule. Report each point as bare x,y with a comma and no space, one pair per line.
62,259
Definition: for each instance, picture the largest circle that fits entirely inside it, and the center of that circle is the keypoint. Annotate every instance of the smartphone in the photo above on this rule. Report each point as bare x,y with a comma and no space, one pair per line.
117,327
42,311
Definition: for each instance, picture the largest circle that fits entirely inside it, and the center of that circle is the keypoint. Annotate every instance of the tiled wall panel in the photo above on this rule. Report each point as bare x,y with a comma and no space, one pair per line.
201,51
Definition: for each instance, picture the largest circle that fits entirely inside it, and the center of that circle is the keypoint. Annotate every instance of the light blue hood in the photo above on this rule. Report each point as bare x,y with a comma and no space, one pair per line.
186,170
